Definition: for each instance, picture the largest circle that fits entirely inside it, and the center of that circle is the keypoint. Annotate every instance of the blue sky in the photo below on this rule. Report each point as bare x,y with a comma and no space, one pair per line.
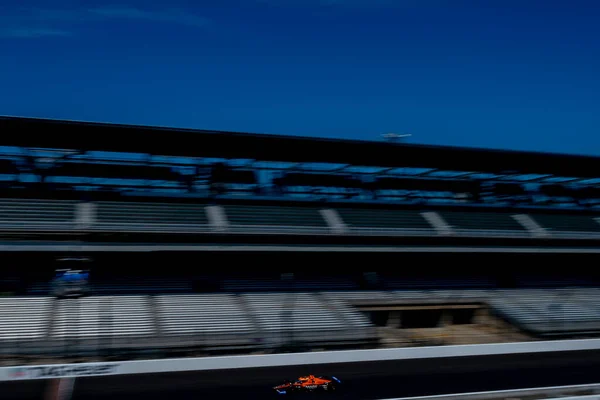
503,74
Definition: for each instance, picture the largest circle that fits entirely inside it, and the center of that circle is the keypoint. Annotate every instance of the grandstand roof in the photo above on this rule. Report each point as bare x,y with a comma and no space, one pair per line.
61,134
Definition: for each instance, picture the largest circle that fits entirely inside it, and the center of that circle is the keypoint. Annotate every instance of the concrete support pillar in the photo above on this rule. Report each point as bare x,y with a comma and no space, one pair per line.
481,316
531,225
437,222
217,218
394,319
85,214
334,221
445,319
60,389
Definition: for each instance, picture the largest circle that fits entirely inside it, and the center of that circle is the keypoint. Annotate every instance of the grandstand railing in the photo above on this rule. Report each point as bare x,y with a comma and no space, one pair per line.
40,227
390,232
572,234
272,229
432,232
149,228
75,227
499,233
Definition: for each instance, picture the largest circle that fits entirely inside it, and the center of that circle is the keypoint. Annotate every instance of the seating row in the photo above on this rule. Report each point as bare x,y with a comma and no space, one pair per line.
181,217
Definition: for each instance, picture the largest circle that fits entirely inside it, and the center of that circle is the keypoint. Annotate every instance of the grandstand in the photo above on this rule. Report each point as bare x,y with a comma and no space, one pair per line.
98,190
247,206
248,217
256,322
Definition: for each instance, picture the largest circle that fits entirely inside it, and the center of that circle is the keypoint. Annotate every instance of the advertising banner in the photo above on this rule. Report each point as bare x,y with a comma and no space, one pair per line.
58,371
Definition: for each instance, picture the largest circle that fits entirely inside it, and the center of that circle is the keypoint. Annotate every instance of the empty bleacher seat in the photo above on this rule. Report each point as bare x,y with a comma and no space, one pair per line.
130,315
37,214
548,310
476,221
306,312
204,319
384,221
23,318
275,218
568,224
103,316
300,315
353,318
77,318
587,297
261,320
151,216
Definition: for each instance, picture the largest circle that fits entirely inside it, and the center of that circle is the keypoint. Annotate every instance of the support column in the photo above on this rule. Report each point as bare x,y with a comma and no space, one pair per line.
445,319
85,215
531,225
59,389
217,218
334,221
438,223
394,319
481,317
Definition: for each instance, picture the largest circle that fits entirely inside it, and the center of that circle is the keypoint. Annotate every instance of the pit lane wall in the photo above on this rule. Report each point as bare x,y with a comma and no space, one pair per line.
53,371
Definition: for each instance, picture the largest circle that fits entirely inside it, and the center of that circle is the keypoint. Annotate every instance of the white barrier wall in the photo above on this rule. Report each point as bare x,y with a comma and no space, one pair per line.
278,360
458,396
546,393
133,248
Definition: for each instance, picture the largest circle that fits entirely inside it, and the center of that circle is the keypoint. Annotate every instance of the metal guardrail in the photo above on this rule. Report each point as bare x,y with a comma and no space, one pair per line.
277,229
408,232
498,233
573,235
147,228
39,227
75,228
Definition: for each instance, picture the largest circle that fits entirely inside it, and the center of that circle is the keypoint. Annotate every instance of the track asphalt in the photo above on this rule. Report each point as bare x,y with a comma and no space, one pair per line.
377,380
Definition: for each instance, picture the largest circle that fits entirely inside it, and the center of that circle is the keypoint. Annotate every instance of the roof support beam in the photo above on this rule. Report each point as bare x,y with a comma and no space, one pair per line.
25,132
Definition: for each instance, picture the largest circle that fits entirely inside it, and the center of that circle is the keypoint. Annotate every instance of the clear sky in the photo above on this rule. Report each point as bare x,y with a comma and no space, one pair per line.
515,74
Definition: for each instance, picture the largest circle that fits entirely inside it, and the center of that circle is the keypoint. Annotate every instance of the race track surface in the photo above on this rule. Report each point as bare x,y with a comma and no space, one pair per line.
381,380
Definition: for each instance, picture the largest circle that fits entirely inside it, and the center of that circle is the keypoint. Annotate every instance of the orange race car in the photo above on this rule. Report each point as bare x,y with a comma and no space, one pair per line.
309,384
